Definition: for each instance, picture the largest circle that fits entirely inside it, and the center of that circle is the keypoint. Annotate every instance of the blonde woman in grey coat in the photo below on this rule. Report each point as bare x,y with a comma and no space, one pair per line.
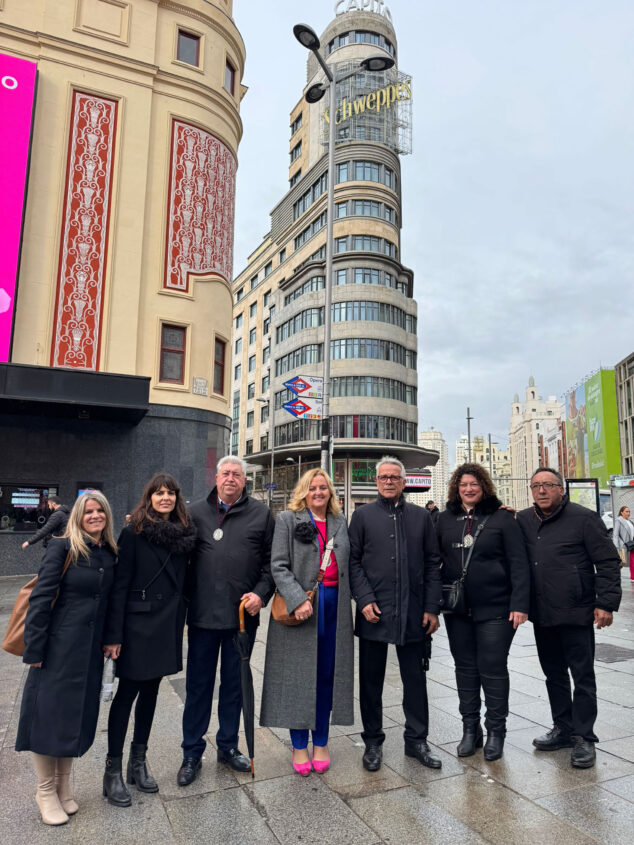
308,674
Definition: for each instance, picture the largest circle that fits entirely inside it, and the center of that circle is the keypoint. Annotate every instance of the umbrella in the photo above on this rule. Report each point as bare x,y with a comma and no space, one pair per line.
242,642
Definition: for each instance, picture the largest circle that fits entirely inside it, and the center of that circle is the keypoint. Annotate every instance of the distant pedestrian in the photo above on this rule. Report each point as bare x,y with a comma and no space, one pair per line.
497,591
309,670
395,580
433,511
623,538
146,619
576,582
54,526
63,639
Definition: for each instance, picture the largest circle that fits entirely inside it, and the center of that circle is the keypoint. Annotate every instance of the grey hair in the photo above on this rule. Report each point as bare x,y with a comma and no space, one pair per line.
389,459
232,459
557,474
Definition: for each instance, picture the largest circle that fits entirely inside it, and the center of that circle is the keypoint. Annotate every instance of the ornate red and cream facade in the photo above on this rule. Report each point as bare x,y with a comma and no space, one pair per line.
129,217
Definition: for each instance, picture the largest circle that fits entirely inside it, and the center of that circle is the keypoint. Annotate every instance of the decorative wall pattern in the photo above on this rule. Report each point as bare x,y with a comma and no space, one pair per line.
200,207
84,242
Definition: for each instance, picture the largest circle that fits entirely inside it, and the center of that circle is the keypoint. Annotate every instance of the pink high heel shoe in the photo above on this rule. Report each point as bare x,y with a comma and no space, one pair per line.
320,766
302,769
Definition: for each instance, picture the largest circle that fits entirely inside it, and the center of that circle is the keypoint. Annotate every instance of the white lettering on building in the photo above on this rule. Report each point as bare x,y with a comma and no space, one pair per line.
376,6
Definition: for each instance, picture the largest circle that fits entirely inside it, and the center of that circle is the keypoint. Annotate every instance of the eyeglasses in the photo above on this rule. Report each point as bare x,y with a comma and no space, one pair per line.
463,486
547,485
389,479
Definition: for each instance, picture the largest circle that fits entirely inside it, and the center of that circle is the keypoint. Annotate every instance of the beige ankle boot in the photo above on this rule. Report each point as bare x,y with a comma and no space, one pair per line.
63,779
46,795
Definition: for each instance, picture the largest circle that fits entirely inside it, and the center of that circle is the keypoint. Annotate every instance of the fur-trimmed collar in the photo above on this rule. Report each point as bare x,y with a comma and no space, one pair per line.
172,536
488,505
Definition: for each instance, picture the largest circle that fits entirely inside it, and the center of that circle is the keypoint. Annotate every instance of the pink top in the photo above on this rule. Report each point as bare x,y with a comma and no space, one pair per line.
331,575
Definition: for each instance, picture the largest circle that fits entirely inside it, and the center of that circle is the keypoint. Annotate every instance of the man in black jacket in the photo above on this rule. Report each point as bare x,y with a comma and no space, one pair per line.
395,581
433,511
230,563
54,526
575,582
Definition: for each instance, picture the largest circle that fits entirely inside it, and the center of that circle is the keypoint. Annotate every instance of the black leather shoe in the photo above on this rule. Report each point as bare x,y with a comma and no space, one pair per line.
472,738
421,751
234,758
114,789
583,754
188,771
494,746
552,740
372,758
138,774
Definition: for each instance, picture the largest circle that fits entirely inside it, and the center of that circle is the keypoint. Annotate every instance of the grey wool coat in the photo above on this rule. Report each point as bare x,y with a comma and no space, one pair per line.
290,673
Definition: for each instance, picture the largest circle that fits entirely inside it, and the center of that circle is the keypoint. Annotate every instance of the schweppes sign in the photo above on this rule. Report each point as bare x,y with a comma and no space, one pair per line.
373,102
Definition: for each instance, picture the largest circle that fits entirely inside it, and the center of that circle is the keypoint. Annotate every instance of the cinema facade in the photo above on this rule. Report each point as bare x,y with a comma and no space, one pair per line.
115,301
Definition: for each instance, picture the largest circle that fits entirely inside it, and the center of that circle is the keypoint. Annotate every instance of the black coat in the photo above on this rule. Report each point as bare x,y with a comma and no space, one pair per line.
394,561
498,577
149,622
223,570
573,563
60,702
54,526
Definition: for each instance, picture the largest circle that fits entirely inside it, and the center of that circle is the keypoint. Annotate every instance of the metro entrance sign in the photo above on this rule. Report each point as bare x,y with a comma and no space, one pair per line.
308,387
311,410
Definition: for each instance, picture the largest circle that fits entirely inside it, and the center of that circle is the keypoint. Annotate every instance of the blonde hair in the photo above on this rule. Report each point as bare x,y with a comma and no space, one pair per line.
76,534
298,502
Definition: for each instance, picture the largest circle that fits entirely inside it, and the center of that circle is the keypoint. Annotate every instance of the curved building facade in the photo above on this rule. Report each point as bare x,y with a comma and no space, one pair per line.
120,358
279,296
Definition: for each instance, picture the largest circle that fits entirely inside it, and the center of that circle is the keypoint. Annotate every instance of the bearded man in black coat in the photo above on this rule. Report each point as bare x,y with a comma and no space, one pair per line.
575,582
395,581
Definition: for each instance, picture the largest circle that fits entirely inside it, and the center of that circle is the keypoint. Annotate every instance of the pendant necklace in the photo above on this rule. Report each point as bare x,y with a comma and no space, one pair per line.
219,533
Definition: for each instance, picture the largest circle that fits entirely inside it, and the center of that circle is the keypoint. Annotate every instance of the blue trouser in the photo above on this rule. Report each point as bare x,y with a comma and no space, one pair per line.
205,646
326,642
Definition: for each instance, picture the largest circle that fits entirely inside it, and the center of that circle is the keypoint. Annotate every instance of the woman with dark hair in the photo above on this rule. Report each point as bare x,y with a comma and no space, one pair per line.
622,536
475,533
145,625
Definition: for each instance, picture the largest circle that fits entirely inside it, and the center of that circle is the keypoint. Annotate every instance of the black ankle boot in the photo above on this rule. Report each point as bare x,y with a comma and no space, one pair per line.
114,788
138,774
494,746
472,738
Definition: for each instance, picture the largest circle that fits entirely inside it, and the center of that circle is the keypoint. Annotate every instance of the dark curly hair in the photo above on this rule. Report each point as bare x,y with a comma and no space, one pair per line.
145,512
479,473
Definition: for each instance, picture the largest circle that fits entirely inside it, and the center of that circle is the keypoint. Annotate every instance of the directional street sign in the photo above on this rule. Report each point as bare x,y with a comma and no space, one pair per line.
310,409
270,486
311,387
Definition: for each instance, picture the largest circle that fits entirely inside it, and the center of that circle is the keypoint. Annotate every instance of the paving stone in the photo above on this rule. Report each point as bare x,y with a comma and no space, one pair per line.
304,810
224,818
621,786
596,812
403,815
347,776
623,747
272,757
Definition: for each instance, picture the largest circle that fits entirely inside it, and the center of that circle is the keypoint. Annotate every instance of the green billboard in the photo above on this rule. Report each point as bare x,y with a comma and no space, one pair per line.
592,429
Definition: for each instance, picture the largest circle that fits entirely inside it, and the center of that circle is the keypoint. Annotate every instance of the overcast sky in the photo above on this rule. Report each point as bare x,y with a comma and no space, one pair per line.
518,199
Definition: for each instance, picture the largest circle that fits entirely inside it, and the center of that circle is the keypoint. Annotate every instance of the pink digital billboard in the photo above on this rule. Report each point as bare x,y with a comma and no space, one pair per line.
17,91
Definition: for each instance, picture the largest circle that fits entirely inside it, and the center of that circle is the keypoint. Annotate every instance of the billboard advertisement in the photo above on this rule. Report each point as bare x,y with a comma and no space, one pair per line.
592,432
17,93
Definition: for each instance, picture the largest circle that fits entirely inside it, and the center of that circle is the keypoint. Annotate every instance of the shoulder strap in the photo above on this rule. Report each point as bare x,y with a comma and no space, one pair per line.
67,563
156,575
471,548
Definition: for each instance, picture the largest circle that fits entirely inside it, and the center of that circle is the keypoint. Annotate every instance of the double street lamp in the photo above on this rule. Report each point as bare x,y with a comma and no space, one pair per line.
308,38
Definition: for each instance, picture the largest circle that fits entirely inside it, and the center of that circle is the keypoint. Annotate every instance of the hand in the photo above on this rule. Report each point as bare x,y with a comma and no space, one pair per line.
253,603
112,651
602,618
371,612
431,620
517,618
508,508
36,665
25,544
304,611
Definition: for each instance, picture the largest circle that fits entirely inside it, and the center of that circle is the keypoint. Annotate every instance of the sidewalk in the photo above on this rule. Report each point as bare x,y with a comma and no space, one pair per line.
526,796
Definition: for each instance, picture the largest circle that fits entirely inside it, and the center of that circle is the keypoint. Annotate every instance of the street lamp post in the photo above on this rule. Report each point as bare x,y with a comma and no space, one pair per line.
308,38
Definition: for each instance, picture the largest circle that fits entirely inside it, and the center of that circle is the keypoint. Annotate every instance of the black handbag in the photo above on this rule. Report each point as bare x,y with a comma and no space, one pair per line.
629,545
454,599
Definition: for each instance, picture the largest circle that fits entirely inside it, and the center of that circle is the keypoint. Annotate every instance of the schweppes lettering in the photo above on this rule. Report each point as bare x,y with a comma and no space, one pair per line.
374,102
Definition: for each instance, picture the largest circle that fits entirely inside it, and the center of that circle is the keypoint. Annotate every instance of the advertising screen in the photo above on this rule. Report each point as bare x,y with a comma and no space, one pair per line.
17,91
592,432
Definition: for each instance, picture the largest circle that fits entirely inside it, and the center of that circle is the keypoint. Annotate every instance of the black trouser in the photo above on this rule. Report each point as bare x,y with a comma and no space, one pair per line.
372,660
562,648
121,707
480,652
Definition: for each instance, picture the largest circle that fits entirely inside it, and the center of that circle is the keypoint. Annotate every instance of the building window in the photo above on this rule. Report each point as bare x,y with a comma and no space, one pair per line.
230,78
249,447
24,508
188,48
307,319
309,231
267,296
266,325
342,172
266,380
342,209
296,152
296,124
282,255
251,363
238,322
341,244
251,390
266,354
268,269
310,354
264,413
219,366
264,443
295,178
172,354
254,282
240,294
237,372
252,335
249,419
253,309
237,348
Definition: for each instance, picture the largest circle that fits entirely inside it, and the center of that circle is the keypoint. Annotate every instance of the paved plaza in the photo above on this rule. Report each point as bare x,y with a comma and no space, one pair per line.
527,796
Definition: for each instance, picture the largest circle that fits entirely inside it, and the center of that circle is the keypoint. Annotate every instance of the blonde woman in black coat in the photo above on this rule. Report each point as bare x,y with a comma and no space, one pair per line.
145,625
60,702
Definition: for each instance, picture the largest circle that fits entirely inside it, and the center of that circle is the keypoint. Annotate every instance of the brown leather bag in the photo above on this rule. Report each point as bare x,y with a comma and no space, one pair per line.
279,610
14,638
